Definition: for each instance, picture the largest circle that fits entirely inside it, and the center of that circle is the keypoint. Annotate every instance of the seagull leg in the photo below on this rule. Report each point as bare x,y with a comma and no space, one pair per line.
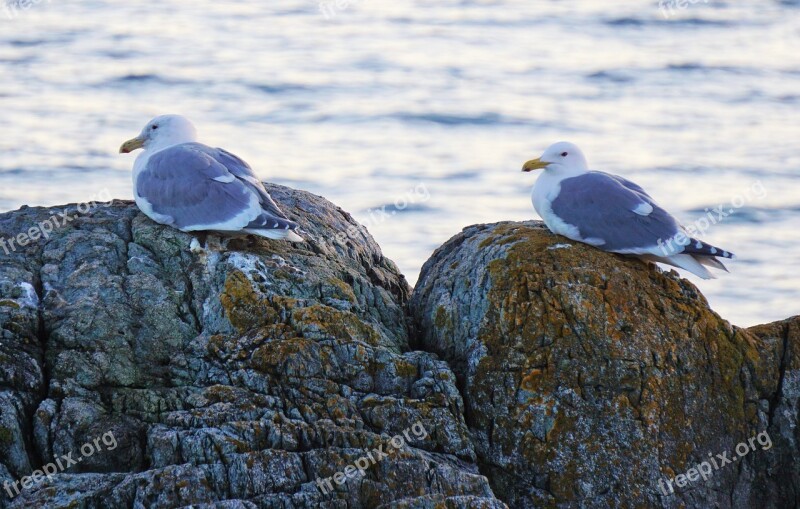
215,243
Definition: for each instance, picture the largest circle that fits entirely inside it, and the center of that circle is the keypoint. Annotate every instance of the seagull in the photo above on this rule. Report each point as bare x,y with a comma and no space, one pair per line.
193,187
613,214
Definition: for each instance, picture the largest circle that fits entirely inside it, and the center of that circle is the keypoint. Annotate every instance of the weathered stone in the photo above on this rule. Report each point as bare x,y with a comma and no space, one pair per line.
233,377
590,379
252,375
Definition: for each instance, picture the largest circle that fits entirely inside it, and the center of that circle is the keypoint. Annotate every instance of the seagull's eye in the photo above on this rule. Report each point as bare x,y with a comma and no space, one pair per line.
153,127
564,154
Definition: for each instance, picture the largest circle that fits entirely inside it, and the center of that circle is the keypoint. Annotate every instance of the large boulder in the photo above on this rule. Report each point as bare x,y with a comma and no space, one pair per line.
592,380
139,370
148,374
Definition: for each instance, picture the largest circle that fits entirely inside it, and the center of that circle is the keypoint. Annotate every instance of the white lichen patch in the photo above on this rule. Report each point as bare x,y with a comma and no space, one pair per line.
559,246
194,246
29,298
791,384
251,266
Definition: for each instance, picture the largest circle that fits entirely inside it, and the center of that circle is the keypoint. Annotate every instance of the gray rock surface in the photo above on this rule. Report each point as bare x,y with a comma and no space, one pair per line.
234,377
590,380
526,371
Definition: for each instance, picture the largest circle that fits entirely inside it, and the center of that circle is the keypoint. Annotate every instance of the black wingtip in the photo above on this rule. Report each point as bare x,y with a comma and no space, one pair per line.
698,247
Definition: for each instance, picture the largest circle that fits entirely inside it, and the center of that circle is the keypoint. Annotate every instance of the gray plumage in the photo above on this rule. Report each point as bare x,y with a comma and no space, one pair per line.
193,187
612,213
602,207
197,185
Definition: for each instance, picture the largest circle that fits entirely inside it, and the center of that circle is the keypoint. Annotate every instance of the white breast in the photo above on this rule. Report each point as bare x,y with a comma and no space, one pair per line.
546,189
138,166
145,206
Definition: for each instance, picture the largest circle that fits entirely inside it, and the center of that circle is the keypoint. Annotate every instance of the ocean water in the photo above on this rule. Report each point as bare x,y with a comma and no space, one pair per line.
417,116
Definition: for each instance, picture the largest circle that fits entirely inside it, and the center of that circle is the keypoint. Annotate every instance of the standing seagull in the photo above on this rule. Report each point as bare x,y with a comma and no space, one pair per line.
193,187
612,213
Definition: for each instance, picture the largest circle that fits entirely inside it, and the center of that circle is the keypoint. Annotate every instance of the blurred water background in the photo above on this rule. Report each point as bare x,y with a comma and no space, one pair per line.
429,108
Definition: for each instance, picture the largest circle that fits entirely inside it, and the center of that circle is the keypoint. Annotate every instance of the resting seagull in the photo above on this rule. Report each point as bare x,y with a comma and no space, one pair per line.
612,213
193,187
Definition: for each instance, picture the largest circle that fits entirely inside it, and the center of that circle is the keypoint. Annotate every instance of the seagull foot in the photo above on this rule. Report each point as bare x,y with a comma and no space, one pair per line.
216,243
205,242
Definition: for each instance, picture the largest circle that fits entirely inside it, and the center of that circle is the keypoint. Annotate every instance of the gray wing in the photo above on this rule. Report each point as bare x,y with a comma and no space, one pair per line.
633,186
191,187
242,171
605,208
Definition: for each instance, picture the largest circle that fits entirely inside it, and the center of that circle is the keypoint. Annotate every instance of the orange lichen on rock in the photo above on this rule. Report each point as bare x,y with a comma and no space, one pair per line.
586,374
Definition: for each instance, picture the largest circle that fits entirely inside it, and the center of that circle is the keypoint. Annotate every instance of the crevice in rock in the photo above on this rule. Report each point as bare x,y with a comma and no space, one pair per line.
775,401
43,338
416,343
189,301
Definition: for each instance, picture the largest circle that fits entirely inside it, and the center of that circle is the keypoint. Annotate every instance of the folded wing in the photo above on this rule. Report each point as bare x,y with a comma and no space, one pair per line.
194,187
603,208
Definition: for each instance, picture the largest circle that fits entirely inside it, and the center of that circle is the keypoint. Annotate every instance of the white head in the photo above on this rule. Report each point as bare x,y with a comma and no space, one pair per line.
163,131
562,157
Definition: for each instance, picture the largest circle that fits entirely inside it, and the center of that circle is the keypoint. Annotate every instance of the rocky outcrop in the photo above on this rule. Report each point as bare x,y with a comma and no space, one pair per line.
137,370
145,374
590,380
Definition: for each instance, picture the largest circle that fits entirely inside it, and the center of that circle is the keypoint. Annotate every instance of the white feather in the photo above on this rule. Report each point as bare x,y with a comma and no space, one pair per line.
686,262
277,234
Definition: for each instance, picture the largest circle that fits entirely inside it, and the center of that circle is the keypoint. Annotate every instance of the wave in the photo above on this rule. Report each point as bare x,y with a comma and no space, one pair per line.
480,119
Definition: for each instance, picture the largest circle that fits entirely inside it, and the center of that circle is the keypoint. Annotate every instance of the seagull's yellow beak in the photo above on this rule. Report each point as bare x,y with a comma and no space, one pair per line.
534,164
131,145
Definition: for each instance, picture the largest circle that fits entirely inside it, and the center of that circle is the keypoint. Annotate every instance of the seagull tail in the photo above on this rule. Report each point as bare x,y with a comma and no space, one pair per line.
700,248
279,234
710,261
294,237
273,227
687,262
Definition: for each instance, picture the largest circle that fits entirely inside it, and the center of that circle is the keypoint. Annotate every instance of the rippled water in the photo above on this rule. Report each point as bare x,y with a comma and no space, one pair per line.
429,109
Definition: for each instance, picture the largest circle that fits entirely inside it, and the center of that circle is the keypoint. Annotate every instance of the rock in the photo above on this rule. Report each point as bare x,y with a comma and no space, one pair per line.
239,377
592,380
525,371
